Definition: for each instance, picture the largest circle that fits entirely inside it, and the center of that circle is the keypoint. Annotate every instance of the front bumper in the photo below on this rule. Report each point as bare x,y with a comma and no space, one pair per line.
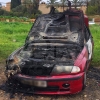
55,84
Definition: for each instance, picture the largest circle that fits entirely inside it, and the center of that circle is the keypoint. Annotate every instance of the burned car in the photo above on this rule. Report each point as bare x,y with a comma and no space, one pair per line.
56,54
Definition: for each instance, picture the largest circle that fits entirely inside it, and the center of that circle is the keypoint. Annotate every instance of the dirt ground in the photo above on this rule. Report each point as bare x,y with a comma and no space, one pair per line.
91,92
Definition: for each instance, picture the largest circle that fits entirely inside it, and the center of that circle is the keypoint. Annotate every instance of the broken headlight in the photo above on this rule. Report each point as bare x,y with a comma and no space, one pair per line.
12,66
65,69
12,62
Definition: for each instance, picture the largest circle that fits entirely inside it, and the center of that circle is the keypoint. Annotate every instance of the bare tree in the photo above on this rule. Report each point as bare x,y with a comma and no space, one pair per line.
51,3
63,3
77,3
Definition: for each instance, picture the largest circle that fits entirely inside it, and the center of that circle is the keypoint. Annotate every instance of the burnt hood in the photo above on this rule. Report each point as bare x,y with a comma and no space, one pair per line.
57,26
40,58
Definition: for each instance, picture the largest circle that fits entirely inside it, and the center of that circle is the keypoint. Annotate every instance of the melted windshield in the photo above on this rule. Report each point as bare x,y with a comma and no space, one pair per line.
57,26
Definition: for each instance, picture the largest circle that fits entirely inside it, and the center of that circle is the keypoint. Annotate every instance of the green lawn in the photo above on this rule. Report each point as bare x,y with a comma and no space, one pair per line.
95,30
12,36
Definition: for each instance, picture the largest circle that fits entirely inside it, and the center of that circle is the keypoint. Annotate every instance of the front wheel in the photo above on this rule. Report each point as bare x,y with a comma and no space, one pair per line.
84,81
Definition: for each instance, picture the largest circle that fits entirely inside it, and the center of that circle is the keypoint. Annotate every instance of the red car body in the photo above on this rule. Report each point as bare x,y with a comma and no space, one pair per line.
63,83
55,83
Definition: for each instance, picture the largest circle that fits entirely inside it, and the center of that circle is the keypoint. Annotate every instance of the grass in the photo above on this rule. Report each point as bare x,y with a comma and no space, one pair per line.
95,30
12,36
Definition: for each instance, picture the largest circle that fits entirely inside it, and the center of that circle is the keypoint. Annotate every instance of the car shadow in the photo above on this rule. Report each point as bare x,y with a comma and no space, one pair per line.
94,73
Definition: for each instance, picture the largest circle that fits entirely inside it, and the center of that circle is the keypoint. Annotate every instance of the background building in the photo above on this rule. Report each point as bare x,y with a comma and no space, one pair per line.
7,7
43,7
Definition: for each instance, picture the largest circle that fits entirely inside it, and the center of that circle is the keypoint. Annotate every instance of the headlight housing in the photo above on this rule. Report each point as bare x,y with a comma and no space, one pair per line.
12,66
65,69
13,60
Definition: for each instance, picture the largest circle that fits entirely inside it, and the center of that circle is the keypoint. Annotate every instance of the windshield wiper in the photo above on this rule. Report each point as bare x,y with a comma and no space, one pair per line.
55,37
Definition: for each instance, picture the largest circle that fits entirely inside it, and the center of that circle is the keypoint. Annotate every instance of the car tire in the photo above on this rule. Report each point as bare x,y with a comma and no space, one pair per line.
84,81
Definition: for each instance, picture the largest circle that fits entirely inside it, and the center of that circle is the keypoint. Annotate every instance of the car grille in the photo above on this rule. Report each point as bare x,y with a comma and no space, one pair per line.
36,69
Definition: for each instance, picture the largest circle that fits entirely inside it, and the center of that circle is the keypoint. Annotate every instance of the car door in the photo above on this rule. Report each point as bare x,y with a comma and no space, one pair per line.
89,42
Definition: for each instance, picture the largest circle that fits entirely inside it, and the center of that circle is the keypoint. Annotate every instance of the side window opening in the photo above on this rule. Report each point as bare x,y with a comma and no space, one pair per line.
75,23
